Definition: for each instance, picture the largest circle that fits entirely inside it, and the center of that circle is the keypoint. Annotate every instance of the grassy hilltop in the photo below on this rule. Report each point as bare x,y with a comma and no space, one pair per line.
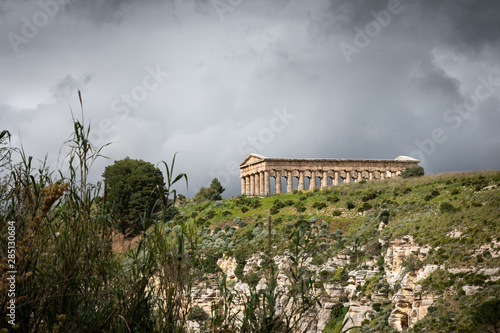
428,208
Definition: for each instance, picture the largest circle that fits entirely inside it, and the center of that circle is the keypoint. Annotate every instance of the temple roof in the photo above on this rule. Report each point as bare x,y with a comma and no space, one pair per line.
257,158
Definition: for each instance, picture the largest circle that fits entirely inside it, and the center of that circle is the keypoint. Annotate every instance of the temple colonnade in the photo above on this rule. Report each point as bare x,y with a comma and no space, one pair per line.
256,172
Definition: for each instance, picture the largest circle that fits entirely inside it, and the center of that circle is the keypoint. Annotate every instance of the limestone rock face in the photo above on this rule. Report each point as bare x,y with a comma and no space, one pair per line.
363,288
227,265
358,311
410,304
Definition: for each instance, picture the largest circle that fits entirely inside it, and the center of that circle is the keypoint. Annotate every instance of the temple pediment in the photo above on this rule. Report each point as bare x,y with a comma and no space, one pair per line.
252,158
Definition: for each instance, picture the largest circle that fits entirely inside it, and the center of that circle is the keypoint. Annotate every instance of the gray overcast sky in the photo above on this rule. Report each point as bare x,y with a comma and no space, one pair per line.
218,79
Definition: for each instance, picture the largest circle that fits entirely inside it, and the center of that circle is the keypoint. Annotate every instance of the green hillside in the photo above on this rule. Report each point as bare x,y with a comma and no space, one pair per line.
427,208
454,214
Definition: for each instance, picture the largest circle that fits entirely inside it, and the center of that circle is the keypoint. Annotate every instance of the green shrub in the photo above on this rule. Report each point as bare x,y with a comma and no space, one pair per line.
350,205
407,190
369,196
300,207
244,209
319,205
278,204
274,210
197,314
417,171
447,207
252,279
337,315
366,206
336,213
254,202
334,199
384,216
428,197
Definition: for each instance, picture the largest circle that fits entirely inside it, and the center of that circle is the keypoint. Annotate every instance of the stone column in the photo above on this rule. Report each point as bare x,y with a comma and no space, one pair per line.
257,184
267,184
247,185
243,186
360,175
393,174
278,183
289,182
347,177
370,175
252,185
336,178
382,174
324,180
312,181
301,181
261,178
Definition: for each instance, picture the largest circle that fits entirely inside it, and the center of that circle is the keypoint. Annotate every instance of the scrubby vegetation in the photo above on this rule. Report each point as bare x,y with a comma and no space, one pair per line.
417,171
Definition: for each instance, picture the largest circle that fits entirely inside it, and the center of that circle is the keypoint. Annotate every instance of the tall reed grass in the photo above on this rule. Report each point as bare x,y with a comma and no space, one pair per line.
69,279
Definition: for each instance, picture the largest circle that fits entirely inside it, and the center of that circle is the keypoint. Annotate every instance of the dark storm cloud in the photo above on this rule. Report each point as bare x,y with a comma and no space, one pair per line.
230,71
465,24
102,11
470,23
433,80
66,87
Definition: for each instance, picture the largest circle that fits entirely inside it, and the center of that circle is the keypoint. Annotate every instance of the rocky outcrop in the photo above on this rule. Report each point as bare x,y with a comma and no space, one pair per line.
400,280
228,266
410,304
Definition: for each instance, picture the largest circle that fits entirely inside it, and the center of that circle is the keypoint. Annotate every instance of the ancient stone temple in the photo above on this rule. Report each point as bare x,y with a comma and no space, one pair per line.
260,175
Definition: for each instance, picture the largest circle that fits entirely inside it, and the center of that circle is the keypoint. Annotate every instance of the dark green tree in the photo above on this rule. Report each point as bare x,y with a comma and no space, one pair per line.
132,191
212,193
487,316
217,186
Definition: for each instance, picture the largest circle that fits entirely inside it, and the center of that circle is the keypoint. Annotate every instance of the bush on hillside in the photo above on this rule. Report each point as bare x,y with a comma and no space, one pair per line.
411,172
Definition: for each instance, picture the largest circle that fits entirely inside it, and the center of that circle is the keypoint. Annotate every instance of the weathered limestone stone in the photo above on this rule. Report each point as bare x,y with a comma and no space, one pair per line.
358,311
256,170
227,265
410,304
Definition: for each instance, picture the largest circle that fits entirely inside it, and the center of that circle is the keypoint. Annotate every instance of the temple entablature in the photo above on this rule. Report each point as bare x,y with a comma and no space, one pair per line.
259,173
